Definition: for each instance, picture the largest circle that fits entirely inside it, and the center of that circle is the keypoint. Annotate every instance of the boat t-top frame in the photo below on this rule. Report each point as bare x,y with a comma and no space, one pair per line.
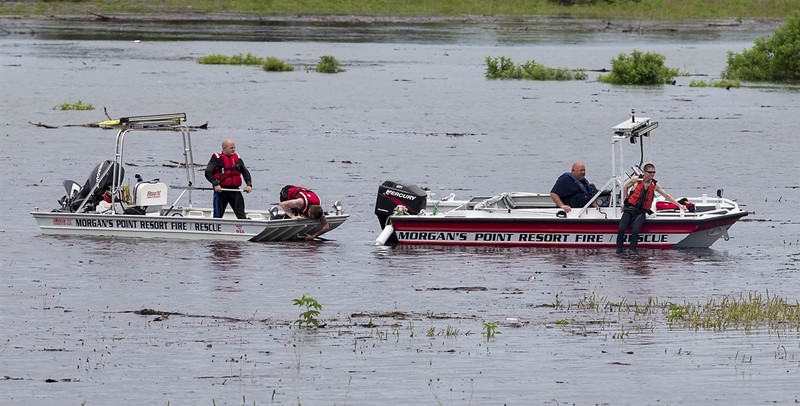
156,122
633,131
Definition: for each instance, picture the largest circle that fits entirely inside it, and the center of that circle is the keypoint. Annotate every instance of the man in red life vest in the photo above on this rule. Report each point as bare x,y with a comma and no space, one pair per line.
637,205
225,171
298,202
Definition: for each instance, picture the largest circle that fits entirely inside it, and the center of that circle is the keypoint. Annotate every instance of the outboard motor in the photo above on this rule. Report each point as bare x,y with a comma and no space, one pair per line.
398,193
99,181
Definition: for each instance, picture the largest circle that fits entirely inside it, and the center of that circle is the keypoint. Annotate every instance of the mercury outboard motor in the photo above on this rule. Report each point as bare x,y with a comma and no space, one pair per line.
398,193
99,181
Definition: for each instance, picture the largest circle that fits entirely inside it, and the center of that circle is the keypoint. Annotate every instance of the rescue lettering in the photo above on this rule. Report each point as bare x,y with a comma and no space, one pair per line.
649,238
207,227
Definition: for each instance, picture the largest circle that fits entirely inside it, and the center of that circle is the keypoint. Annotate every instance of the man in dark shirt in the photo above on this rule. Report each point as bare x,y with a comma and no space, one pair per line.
572,189
225,171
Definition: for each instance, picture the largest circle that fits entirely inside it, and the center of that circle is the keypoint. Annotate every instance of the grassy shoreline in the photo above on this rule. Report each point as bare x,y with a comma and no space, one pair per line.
410,11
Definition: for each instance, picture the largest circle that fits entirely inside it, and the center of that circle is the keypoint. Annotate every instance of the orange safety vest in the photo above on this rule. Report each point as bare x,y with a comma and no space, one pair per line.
633,199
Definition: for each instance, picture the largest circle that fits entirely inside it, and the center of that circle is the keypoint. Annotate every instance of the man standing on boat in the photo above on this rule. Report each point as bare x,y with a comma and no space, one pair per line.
299,202
637,205
225,172
572,189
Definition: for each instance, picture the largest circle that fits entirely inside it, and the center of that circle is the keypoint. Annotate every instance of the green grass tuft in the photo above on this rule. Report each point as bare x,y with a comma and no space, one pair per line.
73,106
505,68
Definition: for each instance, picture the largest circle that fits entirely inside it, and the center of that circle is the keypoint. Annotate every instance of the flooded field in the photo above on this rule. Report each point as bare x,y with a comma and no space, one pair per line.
117,321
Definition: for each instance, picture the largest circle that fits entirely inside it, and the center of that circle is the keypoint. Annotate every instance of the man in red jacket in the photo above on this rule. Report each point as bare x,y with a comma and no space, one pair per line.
299,202
225,172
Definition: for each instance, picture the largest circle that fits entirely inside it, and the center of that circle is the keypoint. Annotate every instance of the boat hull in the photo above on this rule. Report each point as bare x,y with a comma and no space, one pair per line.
558,232
179,226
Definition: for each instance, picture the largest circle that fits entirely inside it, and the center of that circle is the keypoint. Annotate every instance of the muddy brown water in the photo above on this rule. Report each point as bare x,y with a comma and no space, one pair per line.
401,325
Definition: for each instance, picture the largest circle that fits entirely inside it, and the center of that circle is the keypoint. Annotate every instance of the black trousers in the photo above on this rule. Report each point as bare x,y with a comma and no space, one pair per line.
224,198
635,219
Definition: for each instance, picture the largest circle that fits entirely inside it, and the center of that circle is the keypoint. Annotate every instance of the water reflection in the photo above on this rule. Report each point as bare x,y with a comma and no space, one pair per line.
226,258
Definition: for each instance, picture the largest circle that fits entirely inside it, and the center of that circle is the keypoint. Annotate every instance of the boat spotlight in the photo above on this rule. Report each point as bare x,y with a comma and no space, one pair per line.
337,207
273,212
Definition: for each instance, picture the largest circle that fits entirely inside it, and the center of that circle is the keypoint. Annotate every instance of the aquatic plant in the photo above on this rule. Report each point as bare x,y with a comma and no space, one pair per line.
773,58
747,311
490,330
639,69
273,64
726,83
328,64
505,68
309,317
239,59
78,105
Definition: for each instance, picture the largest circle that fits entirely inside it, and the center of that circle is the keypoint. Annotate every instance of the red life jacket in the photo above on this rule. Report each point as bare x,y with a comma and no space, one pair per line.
633,199
309,198
228,176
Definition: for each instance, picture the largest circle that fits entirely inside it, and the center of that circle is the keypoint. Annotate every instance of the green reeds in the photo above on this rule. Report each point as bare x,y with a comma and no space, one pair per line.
505,68
270,63
78,105
747,311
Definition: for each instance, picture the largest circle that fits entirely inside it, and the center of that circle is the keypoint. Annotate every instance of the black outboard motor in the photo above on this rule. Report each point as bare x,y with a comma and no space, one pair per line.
102,176
398,193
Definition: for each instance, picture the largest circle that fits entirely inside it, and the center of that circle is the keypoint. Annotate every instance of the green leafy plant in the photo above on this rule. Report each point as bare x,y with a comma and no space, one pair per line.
562,322
309,317
239,59
676,312
772,58
73,106
698,83
328,64
273,64
505,68
490,330
639,69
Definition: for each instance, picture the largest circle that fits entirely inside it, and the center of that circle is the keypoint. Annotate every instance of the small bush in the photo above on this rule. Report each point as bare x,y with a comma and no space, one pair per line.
73,106
775,58
639,69
716,83
217,59
273,64
504,68
328,64
726,83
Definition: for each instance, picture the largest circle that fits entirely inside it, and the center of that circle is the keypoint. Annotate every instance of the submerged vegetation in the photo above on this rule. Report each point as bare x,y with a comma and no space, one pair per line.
78,105
727,84
774,58
328,64
269,63
746,311
505,68
639,69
